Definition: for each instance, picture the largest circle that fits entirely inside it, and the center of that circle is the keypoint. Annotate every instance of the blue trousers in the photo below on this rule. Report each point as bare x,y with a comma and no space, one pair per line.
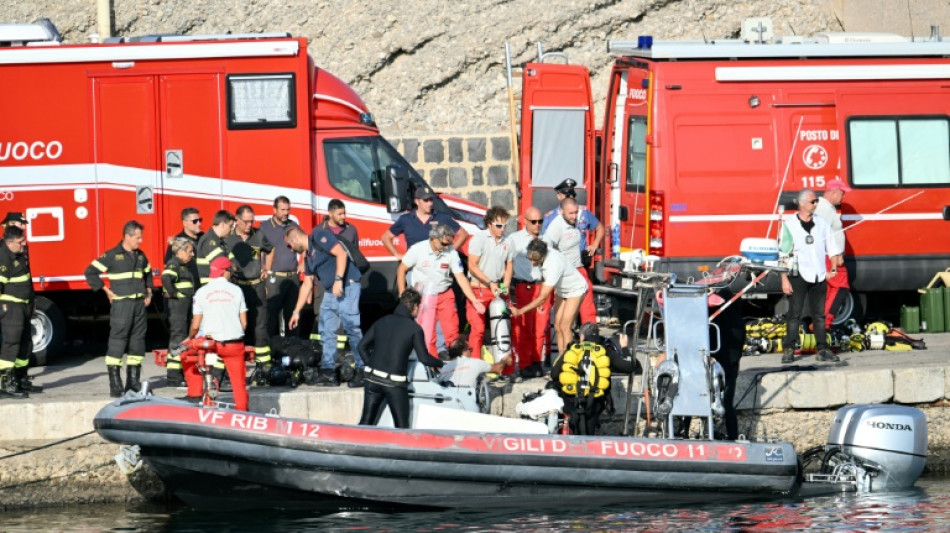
333,312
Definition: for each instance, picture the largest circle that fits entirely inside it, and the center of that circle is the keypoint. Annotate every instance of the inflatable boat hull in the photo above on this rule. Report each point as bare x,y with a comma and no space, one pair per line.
221,458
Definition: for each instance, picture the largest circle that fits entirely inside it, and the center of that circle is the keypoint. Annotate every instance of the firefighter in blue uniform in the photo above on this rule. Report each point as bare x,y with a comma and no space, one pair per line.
16,306
130,293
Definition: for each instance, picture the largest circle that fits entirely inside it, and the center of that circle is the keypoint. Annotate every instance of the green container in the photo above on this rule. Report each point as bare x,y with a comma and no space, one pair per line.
910,317
931,310
946,308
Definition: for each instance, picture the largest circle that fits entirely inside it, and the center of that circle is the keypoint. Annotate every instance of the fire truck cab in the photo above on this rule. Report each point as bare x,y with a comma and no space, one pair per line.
94,135
705,143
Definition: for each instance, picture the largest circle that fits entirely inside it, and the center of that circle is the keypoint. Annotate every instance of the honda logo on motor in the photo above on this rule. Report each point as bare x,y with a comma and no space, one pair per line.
888,425
36,150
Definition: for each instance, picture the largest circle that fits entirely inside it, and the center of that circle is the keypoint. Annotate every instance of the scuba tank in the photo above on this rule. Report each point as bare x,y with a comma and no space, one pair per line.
499,329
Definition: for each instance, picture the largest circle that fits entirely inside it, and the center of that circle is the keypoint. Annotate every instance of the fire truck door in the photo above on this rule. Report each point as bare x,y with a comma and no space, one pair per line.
190,146
126,158
557,132
157,138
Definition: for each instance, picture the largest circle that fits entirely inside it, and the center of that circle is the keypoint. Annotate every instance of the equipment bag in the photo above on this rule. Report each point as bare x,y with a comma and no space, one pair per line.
896,340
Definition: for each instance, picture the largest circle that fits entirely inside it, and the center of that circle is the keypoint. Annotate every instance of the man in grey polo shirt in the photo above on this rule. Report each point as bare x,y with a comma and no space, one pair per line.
489,267
283,273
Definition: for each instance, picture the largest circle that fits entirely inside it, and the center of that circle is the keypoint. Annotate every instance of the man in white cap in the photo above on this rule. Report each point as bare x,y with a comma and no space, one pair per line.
827,209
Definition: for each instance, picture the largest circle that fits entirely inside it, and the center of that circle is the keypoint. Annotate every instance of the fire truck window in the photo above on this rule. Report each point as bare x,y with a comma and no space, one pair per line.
899,151
636,153
557,146
261,101
357,166
925,159
350,168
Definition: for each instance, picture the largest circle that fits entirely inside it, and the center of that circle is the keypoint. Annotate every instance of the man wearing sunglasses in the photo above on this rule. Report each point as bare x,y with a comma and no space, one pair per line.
191,230
808,240
528,331
434,263
490,268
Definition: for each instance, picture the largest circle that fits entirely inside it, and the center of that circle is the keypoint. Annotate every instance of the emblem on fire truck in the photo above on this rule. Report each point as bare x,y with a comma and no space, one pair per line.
815,156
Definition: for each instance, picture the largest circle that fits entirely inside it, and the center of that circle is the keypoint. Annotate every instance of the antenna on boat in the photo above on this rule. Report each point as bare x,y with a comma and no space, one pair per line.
781,186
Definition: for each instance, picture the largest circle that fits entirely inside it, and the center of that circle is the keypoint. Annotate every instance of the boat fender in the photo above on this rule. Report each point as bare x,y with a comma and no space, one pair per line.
585,363
666,382
718,387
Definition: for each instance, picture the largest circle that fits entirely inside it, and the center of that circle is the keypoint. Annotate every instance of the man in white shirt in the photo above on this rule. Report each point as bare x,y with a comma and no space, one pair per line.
560,279
463,370
489,267
808,238
564,236
220,313
828,206
530,330
434,263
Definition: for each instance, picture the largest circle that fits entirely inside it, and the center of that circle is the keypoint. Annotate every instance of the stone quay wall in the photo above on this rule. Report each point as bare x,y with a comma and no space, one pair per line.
477,167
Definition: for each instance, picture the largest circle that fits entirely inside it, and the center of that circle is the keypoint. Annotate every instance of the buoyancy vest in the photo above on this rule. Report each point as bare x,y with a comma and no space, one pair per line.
585,370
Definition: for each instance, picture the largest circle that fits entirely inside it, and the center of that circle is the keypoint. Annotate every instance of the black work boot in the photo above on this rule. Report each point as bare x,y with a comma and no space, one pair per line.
327,378
260,375
133,376
22,377
115,380
9,388
356,380
174,377
788,357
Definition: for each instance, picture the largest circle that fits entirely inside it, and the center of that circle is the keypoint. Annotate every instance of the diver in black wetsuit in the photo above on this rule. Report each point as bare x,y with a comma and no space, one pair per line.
385,372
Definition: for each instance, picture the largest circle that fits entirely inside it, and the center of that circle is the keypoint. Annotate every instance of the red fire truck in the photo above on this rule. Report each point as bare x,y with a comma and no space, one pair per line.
702,140
94,135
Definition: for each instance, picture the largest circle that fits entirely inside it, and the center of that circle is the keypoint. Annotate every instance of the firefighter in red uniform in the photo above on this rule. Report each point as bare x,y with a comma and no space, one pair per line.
130,293
16,306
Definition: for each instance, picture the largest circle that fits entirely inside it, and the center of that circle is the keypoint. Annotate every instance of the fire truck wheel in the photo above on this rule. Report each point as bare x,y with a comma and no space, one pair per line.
49,331
851,307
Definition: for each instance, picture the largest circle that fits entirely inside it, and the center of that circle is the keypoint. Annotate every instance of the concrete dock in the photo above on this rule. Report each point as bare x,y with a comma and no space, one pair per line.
49,454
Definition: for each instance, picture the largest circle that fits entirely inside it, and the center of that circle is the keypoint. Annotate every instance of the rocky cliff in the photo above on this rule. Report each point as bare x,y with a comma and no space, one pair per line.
431,66
427,66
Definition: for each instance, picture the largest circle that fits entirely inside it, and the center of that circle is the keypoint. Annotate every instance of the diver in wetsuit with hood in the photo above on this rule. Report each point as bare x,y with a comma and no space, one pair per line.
386,364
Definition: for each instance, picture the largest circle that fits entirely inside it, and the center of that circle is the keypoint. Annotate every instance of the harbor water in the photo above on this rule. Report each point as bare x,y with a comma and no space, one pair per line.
924,508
